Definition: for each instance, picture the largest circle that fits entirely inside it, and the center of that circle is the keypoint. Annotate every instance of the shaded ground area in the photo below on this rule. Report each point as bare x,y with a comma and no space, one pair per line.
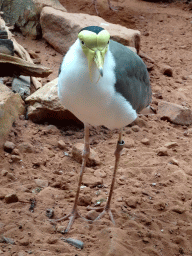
152,201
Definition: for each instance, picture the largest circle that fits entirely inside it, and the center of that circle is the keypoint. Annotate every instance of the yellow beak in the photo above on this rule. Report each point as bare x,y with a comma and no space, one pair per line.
99,60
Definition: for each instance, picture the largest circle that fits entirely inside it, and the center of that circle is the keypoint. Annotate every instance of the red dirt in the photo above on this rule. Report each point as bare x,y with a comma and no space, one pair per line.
152,200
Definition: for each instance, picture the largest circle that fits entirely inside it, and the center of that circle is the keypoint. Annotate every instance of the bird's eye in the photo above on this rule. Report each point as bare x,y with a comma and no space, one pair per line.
82,43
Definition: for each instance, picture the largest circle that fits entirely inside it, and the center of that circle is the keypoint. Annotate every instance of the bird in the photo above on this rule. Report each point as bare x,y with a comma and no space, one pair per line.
103,83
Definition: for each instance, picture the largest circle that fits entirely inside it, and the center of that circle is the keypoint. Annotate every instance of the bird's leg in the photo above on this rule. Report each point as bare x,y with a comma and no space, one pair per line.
95,4
120,145
112,7
74,213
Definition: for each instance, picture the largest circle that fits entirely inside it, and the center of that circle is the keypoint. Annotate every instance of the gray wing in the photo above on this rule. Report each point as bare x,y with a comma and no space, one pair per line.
132,78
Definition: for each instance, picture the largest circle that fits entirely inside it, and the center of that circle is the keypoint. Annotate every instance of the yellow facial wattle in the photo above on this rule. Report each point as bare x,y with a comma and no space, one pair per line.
95,47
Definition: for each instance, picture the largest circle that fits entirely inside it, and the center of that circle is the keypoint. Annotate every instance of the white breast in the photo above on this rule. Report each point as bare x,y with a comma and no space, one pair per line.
96,103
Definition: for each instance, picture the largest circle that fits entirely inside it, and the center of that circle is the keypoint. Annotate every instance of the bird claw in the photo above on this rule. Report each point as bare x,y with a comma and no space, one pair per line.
105,210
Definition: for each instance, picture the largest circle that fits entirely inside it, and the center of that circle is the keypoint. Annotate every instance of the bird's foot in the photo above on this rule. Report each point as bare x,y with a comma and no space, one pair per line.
71,216
105,209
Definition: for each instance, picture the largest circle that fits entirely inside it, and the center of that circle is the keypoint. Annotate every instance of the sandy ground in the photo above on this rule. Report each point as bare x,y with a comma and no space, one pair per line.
152,200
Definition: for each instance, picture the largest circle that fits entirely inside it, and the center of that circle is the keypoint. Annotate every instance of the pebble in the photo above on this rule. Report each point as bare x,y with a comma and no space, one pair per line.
24,242
135,128
41,183
15,158
52,240
10,176
139,122
25,147
15,151
145,141
4,172
92,215
130,143
100,173
91,181
9,146
62,145
77,151
167,70
11,198
84,200
171,144
174,161
162,151
131,202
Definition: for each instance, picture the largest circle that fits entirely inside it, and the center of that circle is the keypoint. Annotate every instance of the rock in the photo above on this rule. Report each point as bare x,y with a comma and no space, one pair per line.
162,151
24,242
6,47
77,151
174,161
11,106
139,122
167,70
131,202
4,172
11,198
130,143
178,209
25,14
84,200
15,158
91,181
60,29
174,113
44,105
145,141
92,215
25,147
21,85
15,151
171,145
10,176
50,213
9,146
52,240
135,128
100,173
41,183
61,144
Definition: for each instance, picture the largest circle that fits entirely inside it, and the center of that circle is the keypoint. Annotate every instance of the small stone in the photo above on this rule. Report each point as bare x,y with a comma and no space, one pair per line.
52,240
100,173
146,240
11,198
9,146
146,33
174,113
25,147
77,151
61,144
41,183
91,181
130,143
24,242
84,200
145,141
167,70
15,158
171,144
92,215
131,202
21,85
174,161
10,176
178,209
15,151
61,229
4,172
162,151
135,128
